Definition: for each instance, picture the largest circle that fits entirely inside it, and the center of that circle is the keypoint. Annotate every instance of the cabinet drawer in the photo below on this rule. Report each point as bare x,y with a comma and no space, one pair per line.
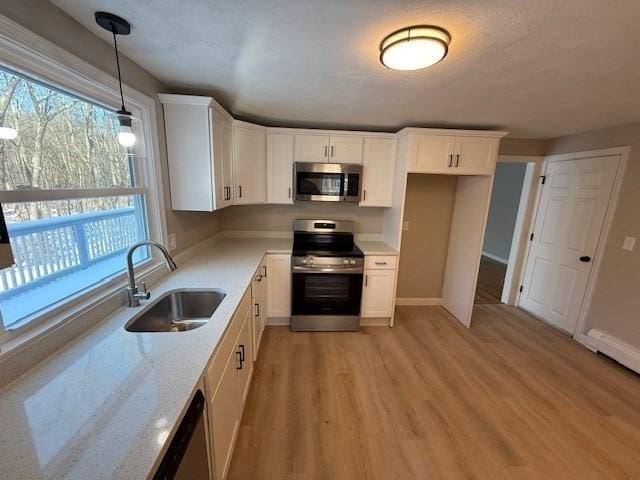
380,262
227,345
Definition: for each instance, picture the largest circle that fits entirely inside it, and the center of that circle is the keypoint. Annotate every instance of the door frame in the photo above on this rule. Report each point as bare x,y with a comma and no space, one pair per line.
623,154
519,239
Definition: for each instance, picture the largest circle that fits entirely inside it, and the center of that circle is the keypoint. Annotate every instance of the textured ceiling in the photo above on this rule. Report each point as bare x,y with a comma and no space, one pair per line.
538,68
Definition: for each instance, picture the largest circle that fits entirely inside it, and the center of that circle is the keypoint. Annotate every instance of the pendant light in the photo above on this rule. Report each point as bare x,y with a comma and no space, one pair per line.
119,26
414,48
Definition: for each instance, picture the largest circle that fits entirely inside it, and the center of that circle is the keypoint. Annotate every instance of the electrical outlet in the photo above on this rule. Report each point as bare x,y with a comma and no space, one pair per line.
172,241
629,243
405,226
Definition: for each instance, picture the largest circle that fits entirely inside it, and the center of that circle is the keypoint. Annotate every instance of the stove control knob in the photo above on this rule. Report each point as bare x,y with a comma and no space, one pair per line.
311,260
345,261
305,260
352,262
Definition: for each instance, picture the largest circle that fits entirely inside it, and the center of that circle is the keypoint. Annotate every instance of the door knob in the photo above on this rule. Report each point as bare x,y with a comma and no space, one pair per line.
585,259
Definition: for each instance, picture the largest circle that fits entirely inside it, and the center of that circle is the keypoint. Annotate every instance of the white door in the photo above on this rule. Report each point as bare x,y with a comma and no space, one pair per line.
345,149
379,163
378,293
433,154
311,148
279,285
475,155
256,294
569,220
280,168
249,165
244,359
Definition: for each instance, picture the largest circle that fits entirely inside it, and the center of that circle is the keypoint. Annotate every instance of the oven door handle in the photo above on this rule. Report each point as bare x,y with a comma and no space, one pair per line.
350,270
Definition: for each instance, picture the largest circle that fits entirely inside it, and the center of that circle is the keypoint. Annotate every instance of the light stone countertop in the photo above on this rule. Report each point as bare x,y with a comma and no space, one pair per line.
375,248
104,406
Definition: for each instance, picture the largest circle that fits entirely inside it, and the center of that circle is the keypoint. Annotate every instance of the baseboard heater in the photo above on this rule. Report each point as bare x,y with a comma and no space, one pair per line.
613,347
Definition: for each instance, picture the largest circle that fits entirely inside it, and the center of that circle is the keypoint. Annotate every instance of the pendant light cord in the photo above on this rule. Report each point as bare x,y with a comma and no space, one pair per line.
115,44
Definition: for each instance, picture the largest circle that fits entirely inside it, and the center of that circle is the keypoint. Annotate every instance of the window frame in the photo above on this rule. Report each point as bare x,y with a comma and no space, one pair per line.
31,55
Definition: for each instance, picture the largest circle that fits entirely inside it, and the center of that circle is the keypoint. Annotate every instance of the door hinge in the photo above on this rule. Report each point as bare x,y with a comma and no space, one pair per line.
543,178
520,289
531,238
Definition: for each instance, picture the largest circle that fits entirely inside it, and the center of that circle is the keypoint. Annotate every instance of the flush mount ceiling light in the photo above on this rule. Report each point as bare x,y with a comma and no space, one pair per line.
413,48
119,26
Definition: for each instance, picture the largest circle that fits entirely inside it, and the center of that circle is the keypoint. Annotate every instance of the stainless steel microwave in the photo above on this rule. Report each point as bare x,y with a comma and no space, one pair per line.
327,182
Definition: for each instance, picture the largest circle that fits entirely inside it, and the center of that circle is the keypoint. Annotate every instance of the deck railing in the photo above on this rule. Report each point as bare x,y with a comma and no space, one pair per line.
47,249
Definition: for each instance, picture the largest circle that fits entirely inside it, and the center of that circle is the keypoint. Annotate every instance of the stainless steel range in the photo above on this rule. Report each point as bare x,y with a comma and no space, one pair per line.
326,269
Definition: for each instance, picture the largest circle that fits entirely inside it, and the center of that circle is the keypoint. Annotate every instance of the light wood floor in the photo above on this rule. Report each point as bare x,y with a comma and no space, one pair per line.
510,398
490,281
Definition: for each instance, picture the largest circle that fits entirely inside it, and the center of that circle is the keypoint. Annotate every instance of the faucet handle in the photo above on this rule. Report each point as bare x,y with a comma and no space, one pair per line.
144,293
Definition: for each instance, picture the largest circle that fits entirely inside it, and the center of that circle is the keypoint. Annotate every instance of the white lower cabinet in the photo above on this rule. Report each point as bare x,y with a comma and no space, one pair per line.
279,286
259,300
378,289
223,419
227,381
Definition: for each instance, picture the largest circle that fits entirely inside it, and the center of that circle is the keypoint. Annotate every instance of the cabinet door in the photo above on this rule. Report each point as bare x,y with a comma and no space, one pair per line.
280,168
378,293
244,358
222,173
249,165
345,149
227,162
279,285
256,311
433,154
475,155
224,418
378,170
189,149
311,148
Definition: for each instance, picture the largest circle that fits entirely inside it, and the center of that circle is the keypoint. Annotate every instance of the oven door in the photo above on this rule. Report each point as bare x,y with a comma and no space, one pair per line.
326,301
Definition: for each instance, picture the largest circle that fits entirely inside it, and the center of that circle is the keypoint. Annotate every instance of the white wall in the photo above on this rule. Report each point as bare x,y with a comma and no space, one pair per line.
503,211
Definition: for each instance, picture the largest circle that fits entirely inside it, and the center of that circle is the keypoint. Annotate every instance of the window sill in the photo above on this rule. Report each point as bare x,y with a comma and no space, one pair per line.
65,321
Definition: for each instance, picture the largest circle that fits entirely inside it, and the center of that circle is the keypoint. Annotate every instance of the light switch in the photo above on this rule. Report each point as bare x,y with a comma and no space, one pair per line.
629,243
172,241
405,226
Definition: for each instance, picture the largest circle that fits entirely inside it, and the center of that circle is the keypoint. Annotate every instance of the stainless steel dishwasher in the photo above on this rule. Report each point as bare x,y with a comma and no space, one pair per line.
186,457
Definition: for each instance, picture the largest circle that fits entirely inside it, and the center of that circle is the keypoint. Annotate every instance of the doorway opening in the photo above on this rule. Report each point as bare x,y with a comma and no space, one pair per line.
506,198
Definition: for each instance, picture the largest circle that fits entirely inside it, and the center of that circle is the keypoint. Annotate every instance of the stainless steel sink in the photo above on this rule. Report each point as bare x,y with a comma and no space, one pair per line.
178,311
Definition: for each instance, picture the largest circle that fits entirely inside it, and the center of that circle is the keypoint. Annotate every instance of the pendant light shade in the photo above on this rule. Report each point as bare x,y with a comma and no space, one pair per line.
414,48
119,26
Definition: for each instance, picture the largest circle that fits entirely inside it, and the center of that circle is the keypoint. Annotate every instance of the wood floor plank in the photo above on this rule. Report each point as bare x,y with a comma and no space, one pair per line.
509,398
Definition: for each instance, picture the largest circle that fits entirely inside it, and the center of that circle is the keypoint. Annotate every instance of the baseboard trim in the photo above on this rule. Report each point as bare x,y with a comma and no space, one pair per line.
279,321
407,301
375,322
613,347
495,258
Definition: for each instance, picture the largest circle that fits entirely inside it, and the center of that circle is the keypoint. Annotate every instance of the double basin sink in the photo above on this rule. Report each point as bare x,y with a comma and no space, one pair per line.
178,311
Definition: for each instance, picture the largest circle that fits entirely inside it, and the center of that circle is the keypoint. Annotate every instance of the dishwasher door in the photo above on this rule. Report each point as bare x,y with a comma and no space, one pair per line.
187,458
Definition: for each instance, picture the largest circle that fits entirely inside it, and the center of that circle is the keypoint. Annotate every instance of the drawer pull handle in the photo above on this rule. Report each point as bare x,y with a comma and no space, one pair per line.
380,263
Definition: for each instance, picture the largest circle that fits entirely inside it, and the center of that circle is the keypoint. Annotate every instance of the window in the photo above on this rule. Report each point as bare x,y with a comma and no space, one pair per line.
72,197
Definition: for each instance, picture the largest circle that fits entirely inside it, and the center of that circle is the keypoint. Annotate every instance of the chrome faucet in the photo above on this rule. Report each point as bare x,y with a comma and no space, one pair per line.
132,290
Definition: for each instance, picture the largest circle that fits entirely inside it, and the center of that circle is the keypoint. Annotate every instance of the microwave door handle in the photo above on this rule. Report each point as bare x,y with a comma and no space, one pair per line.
345,187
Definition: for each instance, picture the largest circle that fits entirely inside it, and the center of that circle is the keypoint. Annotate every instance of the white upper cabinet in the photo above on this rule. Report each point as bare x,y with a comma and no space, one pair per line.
311,148
475,155
249,163
198,133
280,168
452,154
345,149
322,148
433,154
379,162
